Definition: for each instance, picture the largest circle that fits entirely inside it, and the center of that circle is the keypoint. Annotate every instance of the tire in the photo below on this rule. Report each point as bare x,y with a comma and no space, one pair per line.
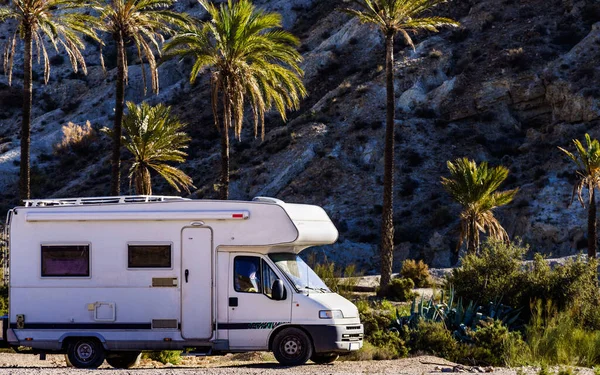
85,352
324,358
292,347
123,359
69,364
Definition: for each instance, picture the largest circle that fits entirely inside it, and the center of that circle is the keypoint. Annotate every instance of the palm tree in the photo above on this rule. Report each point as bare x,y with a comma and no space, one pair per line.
392,17
250,58
39,21
587,160
154,138
474,187
142,22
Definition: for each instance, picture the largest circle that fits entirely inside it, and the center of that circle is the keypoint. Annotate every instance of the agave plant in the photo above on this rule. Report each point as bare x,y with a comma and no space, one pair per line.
458,318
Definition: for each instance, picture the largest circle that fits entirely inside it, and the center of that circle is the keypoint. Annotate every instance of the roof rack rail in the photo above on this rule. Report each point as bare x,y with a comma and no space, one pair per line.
100,200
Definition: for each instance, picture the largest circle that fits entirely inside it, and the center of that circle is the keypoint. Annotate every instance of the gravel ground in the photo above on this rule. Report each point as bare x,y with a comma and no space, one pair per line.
24,364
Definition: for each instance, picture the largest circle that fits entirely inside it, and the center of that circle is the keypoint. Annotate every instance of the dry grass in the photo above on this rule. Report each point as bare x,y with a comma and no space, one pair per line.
76,138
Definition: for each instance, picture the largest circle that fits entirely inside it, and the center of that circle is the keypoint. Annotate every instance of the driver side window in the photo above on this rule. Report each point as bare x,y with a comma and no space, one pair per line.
247,274
253,275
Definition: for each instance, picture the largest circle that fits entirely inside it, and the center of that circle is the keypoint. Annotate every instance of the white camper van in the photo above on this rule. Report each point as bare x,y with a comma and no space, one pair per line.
105,278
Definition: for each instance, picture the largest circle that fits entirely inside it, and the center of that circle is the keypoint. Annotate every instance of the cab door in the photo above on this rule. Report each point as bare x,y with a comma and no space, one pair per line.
252,312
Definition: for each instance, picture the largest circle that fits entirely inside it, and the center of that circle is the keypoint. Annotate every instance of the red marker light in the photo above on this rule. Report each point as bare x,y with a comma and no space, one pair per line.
237,216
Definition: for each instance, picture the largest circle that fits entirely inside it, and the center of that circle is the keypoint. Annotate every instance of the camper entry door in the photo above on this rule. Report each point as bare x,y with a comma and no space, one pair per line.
196,281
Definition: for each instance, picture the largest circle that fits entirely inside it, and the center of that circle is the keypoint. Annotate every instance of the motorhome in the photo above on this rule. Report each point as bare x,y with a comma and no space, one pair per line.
108,277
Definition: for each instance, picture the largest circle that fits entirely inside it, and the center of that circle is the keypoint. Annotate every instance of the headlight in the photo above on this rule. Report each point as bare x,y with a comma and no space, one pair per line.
331,314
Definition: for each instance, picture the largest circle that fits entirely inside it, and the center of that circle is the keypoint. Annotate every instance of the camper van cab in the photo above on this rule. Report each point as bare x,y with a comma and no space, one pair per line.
105,278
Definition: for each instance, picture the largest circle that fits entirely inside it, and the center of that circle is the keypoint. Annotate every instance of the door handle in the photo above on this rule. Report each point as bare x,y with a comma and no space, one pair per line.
233,301
187,273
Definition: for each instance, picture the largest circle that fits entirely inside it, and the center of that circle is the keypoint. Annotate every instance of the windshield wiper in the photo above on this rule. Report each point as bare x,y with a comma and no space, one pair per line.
322,290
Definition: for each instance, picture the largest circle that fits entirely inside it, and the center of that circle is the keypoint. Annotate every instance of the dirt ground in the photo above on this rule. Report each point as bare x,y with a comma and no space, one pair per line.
251,363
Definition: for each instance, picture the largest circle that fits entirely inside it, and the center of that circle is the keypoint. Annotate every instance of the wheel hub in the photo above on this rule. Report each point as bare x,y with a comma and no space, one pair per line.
292,347
85,352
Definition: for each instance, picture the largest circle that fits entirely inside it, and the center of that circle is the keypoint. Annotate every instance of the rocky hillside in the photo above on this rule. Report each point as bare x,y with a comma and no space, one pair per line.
518,79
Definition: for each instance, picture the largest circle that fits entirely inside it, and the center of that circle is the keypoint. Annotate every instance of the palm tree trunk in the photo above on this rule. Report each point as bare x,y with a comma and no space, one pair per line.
143,181
115,186
24,172
387,217
592,236
473,244
224,191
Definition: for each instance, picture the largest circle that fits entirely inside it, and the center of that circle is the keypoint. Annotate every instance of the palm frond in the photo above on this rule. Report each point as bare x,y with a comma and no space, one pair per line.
393,16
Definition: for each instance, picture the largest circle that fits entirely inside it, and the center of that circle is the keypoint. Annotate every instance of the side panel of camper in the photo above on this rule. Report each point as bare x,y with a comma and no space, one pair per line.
124,282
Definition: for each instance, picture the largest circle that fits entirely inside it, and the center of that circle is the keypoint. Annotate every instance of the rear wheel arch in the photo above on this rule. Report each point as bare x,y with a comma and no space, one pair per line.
67,338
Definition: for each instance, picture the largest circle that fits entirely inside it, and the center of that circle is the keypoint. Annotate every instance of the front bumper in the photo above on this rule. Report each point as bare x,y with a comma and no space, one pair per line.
336,338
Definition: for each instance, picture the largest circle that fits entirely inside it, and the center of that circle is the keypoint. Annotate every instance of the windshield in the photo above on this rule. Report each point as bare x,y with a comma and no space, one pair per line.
299,272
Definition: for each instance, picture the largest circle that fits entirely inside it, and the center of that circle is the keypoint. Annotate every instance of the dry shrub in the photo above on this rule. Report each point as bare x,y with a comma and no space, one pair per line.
76,138
418,272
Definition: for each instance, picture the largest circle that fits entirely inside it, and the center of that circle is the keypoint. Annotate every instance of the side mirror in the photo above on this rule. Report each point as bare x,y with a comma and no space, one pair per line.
278,290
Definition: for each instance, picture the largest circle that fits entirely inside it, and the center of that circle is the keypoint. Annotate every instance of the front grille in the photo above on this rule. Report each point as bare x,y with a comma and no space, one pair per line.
352,337
352,327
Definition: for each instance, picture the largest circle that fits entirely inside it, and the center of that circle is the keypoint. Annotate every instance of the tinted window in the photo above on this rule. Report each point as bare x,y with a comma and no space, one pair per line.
246,274
268,277
149,256
65,261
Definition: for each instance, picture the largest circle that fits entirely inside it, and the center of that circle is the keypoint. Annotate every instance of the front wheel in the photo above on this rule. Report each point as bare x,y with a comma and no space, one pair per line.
85,352
123,359
322,359
292,347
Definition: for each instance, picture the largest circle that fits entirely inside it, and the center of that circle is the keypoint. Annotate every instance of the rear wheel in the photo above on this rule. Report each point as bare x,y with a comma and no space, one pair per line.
85,352
324,358
292,347
123,359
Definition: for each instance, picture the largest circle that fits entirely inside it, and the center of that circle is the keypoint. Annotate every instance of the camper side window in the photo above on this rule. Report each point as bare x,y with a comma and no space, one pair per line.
246,273
65,260
149,256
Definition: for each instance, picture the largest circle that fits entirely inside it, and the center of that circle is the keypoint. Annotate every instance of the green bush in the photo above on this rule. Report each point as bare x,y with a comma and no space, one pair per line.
495,273
3,300
165,356
434,338
380,343
341,282
418,272
491,344
498,273
565,371
497,346
376,316
391,343
369,352
400,290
